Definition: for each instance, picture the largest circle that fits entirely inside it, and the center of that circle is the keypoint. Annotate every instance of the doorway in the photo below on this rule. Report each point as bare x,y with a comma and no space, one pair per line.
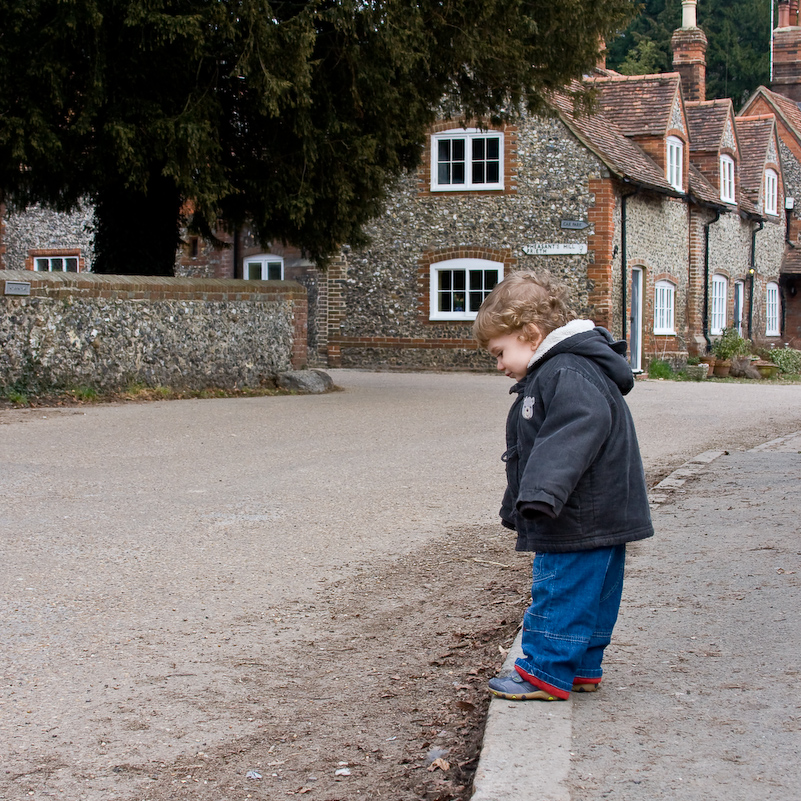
635,344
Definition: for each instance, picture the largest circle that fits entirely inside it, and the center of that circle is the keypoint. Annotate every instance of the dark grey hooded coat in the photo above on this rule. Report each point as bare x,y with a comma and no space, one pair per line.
574,472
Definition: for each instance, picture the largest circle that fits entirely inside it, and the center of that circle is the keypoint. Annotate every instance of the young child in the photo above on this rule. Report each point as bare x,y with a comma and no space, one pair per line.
576,489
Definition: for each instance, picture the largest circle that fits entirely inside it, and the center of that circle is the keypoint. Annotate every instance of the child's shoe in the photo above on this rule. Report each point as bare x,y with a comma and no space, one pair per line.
516,688
586,685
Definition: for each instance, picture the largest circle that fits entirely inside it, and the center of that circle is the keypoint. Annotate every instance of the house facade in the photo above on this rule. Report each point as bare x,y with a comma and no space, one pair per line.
665,213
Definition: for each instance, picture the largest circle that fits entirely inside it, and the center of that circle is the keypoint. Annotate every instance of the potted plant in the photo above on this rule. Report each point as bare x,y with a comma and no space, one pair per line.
708,360
729,345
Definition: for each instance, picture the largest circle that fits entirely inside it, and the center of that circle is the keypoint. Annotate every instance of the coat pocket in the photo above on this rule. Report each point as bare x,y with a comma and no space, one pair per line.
512,459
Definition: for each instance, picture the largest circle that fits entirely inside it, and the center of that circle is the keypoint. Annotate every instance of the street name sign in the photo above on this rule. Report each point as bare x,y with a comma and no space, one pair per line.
556,249
18,288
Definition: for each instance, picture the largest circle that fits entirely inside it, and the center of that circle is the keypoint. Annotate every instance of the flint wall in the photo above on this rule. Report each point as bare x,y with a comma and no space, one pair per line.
107,331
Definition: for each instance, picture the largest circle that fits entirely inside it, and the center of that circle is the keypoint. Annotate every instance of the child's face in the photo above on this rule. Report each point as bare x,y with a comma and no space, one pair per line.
513,353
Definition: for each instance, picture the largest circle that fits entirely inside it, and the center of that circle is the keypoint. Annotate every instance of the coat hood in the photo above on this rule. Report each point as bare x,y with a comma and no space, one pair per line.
584,338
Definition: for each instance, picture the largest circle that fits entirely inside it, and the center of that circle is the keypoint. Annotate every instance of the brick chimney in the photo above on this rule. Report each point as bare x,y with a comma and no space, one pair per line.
689,53
600,63
787,52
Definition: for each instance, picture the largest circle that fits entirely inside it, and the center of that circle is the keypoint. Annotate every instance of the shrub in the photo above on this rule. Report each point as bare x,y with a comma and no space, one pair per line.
659,369
788,360
730,345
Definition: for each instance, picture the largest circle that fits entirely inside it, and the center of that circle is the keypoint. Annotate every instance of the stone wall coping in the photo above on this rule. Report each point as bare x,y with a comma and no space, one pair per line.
132,287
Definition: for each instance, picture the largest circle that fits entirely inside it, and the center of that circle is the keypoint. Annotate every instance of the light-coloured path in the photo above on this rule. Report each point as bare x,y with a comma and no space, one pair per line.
698,699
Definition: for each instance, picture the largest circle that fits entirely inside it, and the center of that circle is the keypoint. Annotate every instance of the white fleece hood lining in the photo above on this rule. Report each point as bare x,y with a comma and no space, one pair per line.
559,335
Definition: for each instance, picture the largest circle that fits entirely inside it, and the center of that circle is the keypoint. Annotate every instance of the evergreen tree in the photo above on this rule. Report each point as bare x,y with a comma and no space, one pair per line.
291,115
738,54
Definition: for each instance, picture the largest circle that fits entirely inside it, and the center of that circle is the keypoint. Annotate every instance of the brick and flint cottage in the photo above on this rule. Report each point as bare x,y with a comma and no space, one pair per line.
668,215
664,213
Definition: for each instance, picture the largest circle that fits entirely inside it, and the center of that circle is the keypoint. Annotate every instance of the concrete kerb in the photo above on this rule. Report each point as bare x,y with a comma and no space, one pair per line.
526,751
676,480
525,755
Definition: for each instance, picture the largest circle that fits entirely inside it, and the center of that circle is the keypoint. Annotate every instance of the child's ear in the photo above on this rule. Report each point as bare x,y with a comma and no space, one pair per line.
533,335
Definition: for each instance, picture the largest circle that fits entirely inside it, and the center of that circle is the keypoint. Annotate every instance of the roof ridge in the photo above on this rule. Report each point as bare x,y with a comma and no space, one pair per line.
722,101
756,118
653,76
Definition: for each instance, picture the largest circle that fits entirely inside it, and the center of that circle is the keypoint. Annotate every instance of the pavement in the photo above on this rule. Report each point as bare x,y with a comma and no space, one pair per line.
700,694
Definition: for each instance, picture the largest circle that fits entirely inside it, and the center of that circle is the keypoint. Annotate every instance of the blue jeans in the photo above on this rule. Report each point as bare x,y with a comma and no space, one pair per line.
575,601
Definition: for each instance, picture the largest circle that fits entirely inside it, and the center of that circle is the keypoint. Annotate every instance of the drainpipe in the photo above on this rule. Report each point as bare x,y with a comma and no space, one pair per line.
237,267
751,273
623,262
705,321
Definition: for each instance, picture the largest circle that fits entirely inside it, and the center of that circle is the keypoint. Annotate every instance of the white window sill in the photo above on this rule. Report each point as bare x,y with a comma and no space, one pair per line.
463,188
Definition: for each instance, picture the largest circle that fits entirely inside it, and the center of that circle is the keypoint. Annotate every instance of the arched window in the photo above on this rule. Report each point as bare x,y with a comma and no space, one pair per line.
664,305
675,163
772,310
771,192
720,291
458,287
727,179
263,267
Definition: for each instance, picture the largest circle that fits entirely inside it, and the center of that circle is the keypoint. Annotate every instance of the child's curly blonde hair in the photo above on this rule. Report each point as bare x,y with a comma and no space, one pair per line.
533,304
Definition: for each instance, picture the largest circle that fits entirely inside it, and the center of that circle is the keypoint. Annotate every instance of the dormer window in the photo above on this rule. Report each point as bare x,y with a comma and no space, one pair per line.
771,192
675,163
727,179
466,160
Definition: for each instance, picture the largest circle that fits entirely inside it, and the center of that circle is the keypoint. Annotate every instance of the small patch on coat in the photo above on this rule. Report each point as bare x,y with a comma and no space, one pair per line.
528,408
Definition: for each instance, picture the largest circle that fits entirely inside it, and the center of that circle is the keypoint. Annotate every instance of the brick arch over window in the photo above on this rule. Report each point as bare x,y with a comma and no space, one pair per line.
502,256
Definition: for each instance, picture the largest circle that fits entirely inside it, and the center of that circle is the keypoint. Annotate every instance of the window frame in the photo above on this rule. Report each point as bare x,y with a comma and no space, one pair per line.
718,304
664,313
727,190
468,136
674,162
772,310
62,257
739,306
771,199
265,261
458,265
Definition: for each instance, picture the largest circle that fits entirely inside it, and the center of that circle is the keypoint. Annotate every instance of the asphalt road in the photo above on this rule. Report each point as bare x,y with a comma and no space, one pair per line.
127,528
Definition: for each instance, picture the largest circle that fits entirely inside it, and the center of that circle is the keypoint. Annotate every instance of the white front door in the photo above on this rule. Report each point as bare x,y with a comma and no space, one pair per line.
635,344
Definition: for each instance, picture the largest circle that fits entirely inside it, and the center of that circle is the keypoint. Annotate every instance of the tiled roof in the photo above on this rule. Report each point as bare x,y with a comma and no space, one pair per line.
622,156
640,105
787,109
754,134
706,120
702,189
634,106
791,263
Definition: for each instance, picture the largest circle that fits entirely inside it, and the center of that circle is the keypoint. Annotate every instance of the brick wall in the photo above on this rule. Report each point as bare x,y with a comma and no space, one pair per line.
601,244
108,331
